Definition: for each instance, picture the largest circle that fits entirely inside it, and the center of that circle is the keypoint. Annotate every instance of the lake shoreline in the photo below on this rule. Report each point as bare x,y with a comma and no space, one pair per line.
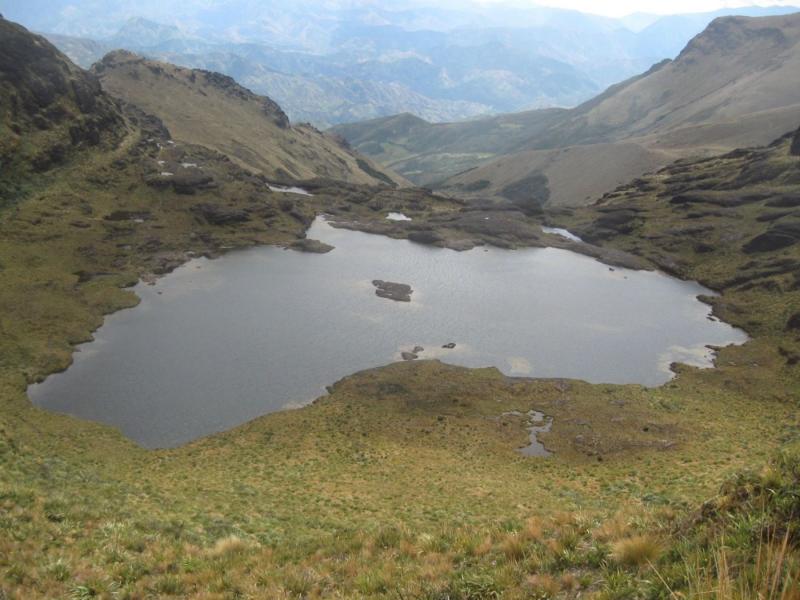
711,358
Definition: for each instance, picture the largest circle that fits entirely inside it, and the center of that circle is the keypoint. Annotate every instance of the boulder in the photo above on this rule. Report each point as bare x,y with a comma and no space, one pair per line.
313,246
399,292
425,237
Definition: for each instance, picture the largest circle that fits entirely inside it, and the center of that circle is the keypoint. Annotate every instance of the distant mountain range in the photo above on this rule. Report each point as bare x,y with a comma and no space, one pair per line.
734,85
337,62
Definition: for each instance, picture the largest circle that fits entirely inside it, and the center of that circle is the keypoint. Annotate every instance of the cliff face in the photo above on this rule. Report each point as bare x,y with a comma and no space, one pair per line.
42,92
50,109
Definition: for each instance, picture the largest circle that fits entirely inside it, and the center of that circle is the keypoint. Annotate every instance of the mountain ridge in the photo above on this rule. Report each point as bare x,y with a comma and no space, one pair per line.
732,86
330,65
213,110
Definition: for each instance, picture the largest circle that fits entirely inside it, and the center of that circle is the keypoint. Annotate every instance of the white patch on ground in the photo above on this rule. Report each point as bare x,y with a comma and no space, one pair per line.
562,233
282,189
294,405
396,216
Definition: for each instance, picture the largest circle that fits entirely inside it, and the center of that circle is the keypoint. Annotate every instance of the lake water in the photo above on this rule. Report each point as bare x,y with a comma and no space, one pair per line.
219,342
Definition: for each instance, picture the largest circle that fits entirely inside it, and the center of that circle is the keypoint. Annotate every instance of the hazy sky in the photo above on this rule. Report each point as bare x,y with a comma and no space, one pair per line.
619,8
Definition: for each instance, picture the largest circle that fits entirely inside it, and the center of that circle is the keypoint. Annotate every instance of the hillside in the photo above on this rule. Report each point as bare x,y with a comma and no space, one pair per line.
212,110
733,85
51,110
740,71
428,153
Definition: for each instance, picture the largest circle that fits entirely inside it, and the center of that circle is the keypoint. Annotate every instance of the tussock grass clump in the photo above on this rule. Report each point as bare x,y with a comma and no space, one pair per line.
544,586
513,546
774,574
638,550
612,529
534,529
230,546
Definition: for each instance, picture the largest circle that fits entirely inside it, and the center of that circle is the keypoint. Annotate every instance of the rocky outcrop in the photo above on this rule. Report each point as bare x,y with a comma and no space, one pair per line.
45,100
399,292
214,214
530,194
795,147
184,181
425,236
313,246
780,235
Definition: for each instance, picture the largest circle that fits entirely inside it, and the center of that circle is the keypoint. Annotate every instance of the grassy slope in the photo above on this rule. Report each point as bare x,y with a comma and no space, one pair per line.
211,110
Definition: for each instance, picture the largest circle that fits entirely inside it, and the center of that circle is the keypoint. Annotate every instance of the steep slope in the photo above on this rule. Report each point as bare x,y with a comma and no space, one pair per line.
738,68
734,85
49,109
212,110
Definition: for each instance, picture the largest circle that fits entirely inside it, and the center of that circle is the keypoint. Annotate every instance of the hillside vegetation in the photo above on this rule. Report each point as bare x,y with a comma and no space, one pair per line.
404,481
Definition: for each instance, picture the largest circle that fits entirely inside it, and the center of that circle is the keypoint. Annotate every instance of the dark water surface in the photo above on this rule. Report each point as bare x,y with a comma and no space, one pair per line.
219,342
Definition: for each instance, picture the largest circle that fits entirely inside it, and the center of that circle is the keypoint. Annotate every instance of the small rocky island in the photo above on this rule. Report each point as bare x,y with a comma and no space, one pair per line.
313,246
399,292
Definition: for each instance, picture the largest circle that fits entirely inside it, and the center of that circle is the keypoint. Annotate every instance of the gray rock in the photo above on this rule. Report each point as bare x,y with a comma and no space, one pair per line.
314,246
409,356
399,292
215,214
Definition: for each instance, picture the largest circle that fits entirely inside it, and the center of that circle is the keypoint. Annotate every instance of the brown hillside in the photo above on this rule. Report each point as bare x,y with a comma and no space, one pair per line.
212,110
